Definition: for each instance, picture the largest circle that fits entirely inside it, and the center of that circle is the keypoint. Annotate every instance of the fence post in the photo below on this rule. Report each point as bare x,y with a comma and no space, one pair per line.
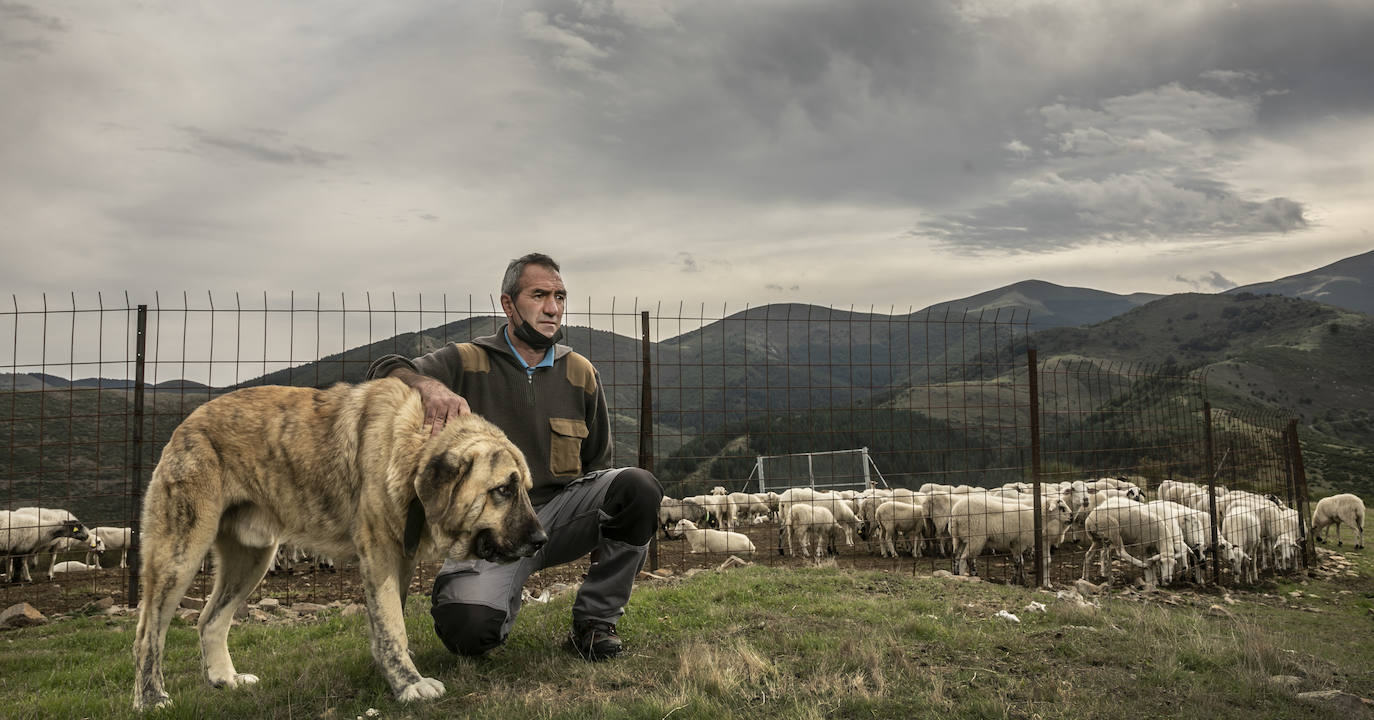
1041,542
1309,550
646,419
136,482
1212,472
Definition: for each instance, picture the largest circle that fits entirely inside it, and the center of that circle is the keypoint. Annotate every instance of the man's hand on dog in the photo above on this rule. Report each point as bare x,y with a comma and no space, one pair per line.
440,404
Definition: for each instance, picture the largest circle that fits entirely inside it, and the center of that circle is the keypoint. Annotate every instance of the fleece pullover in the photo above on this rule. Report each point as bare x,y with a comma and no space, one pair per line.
556,415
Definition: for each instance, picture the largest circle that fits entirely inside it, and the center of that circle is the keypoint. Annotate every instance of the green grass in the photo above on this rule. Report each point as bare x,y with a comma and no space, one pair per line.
759,642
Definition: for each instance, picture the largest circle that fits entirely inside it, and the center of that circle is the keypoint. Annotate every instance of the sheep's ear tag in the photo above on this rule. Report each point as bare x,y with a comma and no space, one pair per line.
415,524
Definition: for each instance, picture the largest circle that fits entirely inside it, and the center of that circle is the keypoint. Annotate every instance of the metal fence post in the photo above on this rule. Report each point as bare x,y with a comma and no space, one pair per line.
136,482
646,418
1309,549
1041,542
1212,472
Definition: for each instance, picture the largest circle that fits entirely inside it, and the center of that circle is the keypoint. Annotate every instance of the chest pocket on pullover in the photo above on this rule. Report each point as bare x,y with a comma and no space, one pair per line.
565,447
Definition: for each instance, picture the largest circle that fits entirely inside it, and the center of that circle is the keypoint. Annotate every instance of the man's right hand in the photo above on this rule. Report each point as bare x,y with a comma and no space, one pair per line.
441,404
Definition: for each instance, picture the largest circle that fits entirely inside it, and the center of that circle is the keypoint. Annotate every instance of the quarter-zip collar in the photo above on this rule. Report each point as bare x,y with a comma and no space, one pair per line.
529,370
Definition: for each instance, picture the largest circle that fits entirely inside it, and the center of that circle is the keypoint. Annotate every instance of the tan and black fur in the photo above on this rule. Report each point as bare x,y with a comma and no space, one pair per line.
336,471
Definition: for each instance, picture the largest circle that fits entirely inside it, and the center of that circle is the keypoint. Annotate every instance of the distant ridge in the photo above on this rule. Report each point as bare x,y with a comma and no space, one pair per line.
1347,283
1049,305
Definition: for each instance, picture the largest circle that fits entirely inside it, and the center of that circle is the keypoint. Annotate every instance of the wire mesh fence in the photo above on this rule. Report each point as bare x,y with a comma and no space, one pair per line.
923,437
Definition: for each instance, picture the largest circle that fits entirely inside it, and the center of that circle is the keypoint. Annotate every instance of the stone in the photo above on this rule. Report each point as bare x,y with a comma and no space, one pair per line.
191,603
1353,705
307,607
188,615
353,609
21,615
269,604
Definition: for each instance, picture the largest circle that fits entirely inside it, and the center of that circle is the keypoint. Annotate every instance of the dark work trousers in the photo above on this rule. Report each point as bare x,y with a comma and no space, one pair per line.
613,512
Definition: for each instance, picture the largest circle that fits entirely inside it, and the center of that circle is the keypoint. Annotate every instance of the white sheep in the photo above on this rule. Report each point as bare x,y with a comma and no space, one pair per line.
28,531
840,508
979,522
707,540
808,525
895,517
92,545
1287,543
1196,527
1244,531
939,504
114,538
714,506
1339,510
69,566
1119,522
670,510
742,506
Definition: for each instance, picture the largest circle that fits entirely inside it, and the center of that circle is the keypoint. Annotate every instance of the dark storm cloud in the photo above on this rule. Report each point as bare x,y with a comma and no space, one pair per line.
1053,213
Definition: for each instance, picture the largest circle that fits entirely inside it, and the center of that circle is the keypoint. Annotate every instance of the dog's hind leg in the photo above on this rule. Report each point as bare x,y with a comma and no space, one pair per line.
172,551
238,570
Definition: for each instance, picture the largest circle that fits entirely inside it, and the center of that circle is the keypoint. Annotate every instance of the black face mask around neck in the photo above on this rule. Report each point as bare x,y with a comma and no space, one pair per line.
534,338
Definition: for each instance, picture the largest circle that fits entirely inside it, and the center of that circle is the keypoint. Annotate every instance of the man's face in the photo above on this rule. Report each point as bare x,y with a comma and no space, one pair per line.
541,301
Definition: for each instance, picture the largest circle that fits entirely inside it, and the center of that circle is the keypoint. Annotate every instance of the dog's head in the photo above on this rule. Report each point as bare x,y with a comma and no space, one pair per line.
474,485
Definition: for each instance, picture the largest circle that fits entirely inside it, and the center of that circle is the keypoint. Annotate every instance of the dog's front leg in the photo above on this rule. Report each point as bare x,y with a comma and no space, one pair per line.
386,625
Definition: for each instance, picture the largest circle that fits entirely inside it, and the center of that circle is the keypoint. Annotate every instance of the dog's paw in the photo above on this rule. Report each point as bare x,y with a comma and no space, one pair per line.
160,700
426,689
236,680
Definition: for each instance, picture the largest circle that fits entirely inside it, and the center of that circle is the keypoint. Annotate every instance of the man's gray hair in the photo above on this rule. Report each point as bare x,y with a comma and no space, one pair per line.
510,284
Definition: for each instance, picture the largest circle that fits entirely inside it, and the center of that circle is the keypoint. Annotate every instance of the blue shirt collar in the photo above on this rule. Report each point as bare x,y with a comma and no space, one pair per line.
546,362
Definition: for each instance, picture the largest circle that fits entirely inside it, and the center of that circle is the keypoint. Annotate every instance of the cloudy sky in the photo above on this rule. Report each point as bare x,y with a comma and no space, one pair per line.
861,153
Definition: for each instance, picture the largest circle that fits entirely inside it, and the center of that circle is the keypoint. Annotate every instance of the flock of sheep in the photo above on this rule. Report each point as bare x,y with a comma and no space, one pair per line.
31,534
1167,534
1167,537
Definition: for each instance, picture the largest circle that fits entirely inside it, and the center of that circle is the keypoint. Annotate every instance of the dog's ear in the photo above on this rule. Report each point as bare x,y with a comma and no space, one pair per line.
441,476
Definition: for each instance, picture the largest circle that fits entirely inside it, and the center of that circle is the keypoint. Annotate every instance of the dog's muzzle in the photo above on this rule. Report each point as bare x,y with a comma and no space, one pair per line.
485,546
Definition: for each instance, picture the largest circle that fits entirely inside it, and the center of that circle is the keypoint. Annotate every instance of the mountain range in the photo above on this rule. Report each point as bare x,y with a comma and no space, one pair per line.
1299,344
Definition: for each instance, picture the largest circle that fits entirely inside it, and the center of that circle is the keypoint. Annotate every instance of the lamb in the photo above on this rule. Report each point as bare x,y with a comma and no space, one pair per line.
706,540
1339,510
27,531
806,523
979,521
1119,522
898,517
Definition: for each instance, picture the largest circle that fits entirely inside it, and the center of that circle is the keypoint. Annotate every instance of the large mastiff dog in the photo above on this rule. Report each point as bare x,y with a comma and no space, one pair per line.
348,471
